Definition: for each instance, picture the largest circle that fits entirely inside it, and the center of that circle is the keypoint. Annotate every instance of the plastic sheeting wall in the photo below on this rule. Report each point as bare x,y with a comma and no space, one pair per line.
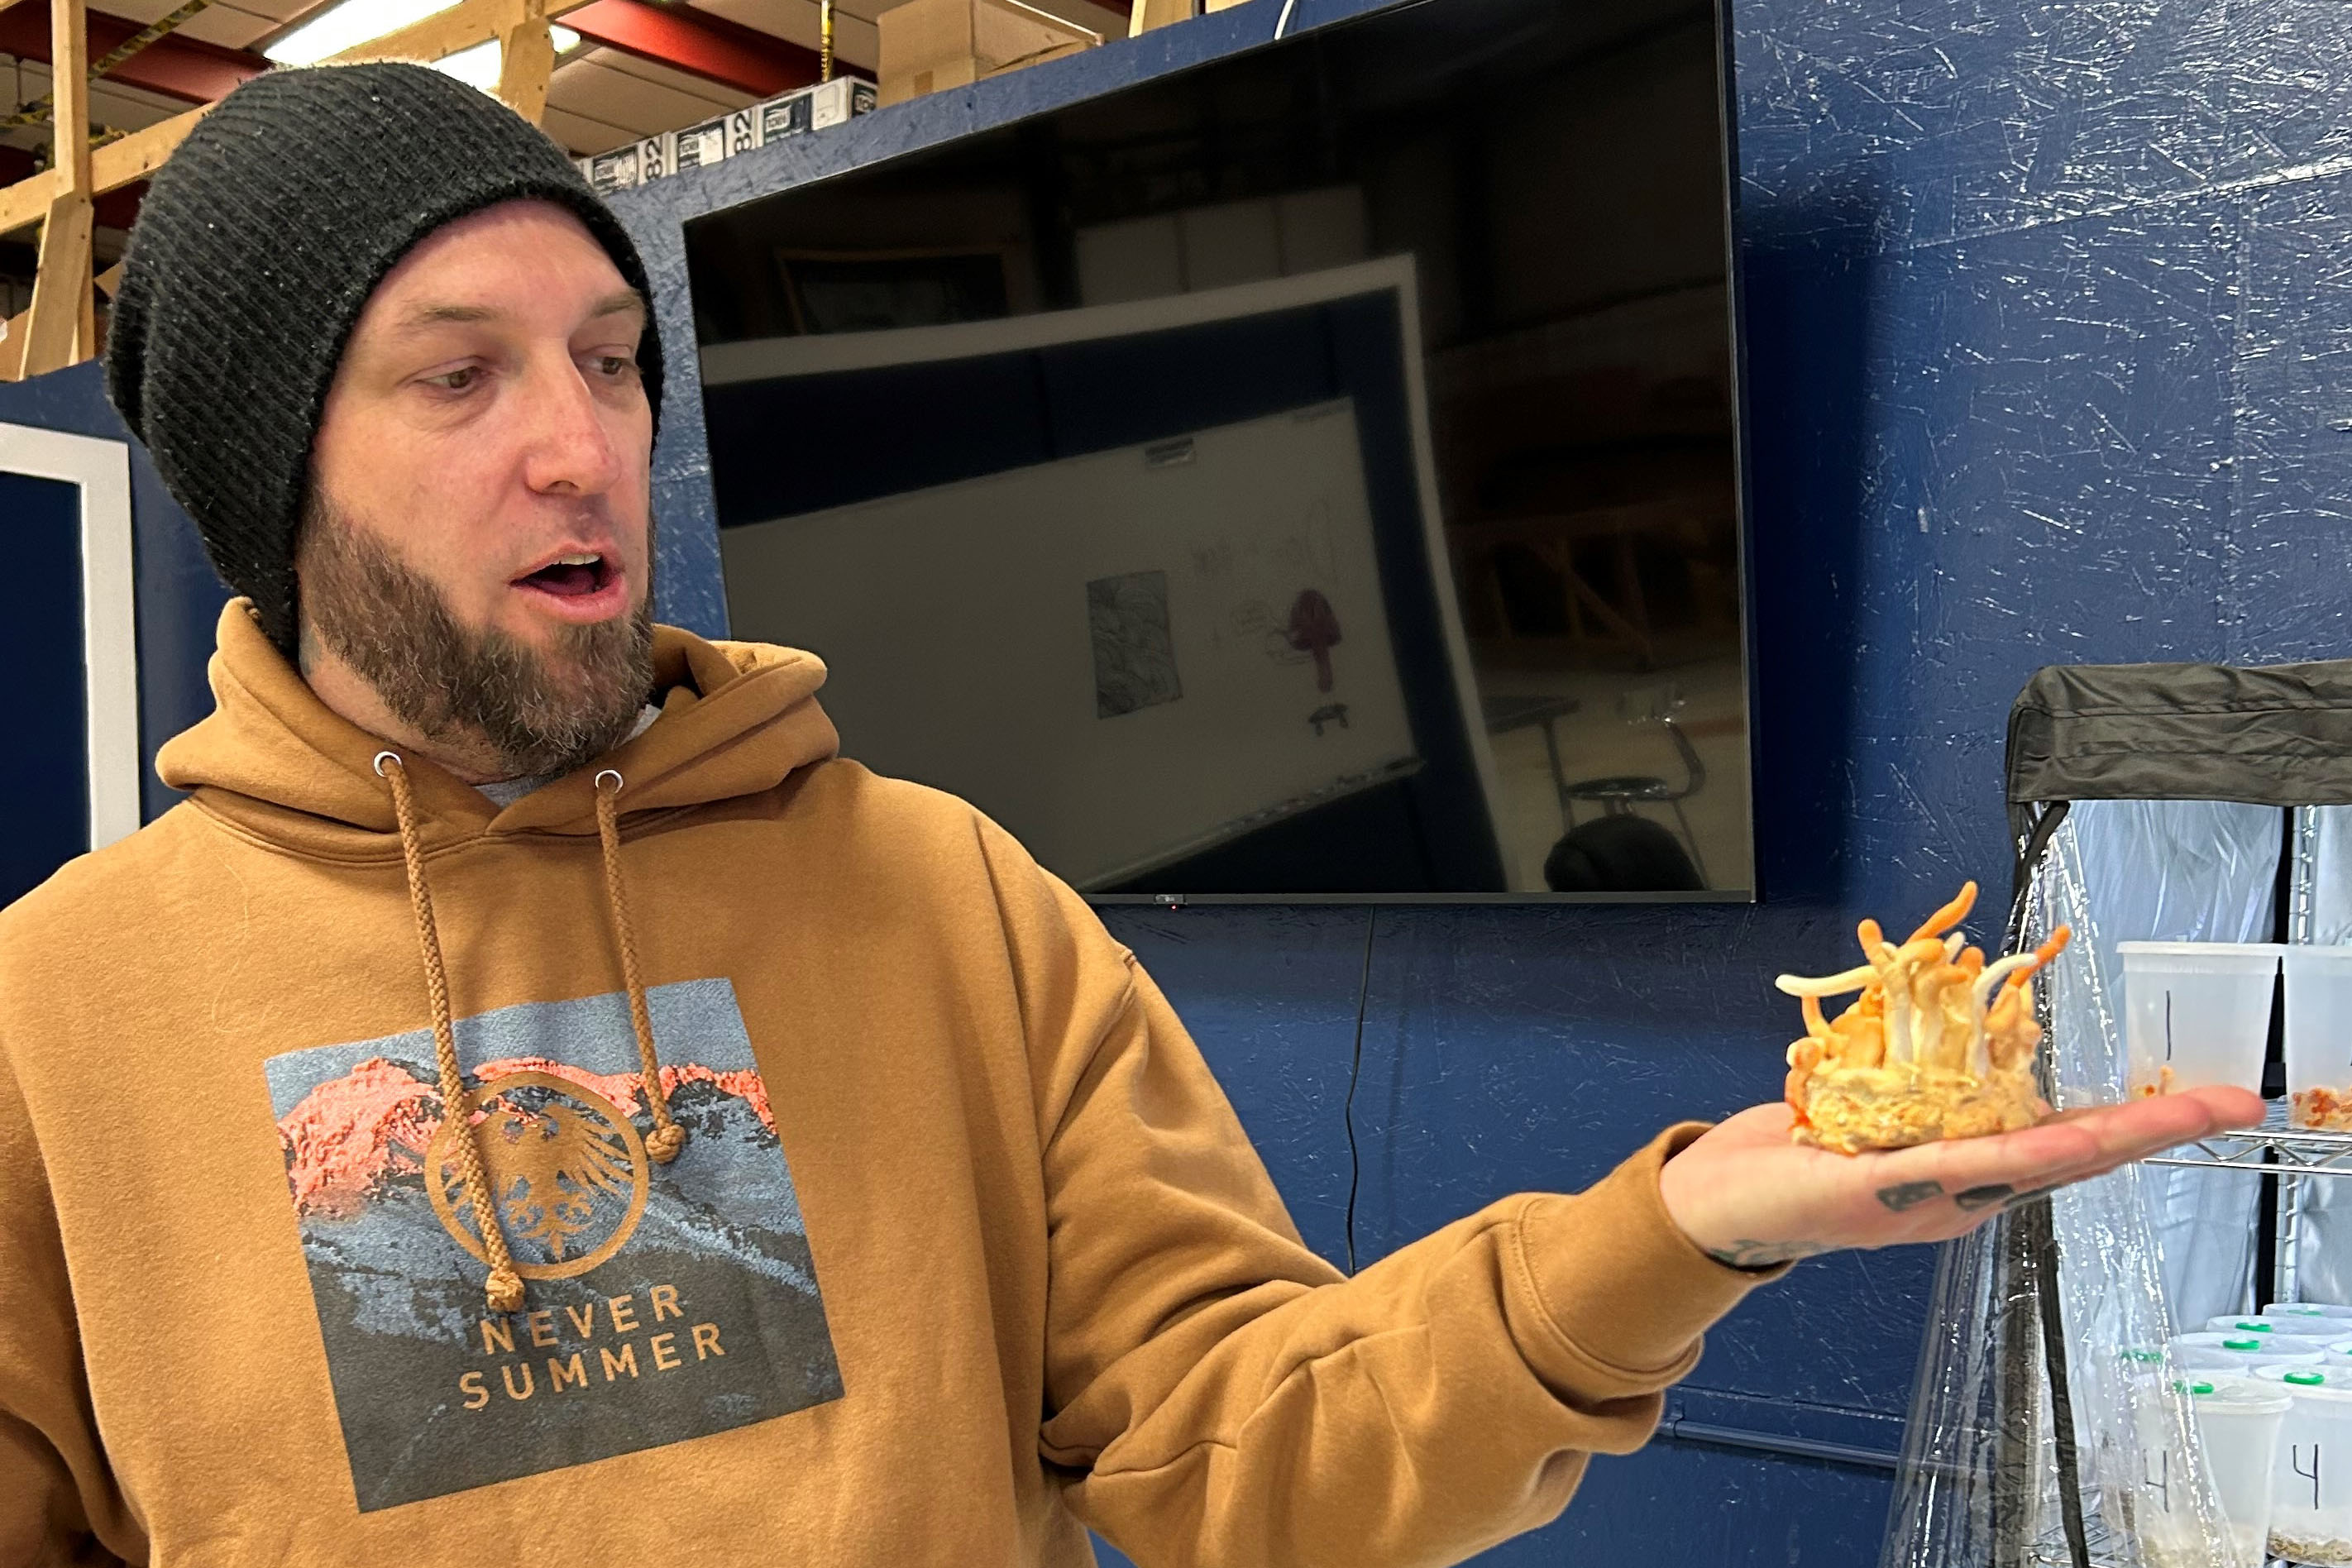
2186,871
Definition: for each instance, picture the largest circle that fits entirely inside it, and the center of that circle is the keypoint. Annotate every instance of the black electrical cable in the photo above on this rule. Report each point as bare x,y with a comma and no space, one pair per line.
1355,1070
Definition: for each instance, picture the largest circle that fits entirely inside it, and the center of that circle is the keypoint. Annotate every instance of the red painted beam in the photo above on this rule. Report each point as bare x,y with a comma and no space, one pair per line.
698,43
176,66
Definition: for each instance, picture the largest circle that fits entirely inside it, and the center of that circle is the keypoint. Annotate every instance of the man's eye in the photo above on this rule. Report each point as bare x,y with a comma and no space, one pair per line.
614,366
456,380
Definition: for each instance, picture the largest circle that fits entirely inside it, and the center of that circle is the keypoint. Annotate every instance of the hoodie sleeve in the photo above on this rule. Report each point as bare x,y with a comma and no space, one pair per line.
55,1487
1219,1394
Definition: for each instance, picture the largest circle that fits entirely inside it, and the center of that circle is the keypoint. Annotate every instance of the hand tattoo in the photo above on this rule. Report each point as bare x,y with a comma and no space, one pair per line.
1986,1197
2029,1197
1909,1195
1764,1254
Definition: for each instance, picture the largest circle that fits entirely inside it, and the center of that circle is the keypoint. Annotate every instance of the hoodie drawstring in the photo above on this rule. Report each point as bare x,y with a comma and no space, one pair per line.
504,1289
668,1137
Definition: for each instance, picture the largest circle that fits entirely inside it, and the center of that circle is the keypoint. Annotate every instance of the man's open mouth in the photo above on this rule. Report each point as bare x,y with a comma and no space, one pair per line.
570,576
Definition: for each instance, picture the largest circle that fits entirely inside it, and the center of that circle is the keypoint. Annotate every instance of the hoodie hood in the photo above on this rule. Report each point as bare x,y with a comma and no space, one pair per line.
736,719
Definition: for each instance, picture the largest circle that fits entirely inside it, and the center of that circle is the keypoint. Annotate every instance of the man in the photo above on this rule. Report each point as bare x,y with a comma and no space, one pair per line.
533,1102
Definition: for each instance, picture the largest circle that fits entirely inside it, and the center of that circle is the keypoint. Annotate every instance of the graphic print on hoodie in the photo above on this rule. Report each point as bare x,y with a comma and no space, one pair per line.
665,1302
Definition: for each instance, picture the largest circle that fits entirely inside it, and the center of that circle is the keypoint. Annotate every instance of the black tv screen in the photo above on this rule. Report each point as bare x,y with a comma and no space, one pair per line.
1314,473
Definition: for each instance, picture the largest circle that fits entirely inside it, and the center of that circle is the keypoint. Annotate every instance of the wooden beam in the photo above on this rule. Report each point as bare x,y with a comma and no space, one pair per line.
70,93
111,167
60,331
27,201
11,346
54,326
526,61
140,153
1149,14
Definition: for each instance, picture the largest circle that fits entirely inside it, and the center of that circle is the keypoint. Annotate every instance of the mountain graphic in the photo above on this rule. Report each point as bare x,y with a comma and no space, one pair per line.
351,1139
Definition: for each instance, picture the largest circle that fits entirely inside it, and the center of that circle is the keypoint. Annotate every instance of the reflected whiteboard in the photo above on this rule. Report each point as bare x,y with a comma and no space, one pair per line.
1194,630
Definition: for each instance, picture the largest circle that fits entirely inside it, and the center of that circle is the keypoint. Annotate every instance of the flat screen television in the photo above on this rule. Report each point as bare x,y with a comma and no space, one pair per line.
1310,474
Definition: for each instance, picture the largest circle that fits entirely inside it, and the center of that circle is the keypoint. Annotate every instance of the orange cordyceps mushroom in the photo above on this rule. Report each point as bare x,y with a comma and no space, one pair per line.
1940,1044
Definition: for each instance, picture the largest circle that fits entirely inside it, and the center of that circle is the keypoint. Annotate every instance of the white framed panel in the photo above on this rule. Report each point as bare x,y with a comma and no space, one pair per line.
762,359
100,470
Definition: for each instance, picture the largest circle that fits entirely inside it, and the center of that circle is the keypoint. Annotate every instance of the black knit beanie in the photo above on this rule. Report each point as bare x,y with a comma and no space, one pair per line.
256,248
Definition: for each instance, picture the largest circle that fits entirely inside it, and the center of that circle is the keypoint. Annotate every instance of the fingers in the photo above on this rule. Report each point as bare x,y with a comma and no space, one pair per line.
1978,1178
1946,1188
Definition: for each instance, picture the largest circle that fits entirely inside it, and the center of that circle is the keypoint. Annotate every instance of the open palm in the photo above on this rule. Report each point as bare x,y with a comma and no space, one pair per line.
1750,1196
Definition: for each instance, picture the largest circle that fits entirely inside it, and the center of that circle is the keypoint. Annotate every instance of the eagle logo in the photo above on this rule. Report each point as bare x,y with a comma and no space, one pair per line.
567,1171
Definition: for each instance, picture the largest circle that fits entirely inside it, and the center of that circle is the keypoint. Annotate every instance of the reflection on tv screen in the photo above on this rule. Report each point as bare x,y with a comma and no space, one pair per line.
1310,474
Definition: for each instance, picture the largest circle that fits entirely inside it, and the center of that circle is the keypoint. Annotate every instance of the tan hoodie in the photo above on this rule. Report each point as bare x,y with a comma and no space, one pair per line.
963,1247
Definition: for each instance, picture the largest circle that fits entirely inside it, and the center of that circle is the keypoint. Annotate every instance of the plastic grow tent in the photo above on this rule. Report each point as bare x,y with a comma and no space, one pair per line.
2188,801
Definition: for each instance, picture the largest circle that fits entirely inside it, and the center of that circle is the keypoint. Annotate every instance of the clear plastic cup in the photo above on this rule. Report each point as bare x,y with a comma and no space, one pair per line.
2239,1426
2311,1493
2319,1036
2198,1013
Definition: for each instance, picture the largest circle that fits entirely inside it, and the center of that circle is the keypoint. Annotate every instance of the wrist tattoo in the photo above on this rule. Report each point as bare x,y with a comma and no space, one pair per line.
1909,1195
1985,1197
1764,1254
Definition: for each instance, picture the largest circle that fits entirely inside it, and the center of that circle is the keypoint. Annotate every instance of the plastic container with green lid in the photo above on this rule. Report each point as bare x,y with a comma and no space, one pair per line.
2307,1309
2311,1497
2244,1352
2274,1323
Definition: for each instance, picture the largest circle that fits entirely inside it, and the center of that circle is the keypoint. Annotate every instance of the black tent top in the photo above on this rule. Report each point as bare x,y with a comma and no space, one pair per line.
2278,734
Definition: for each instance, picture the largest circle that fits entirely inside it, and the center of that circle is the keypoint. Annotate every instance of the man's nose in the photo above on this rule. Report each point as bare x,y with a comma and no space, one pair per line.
572,445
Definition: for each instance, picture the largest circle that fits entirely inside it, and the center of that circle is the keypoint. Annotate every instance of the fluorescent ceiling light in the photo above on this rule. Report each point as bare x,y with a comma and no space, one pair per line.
353,21
345,26
479,67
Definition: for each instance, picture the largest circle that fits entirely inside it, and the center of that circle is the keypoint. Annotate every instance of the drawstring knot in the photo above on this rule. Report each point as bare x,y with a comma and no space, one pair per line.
662,1143
504,1289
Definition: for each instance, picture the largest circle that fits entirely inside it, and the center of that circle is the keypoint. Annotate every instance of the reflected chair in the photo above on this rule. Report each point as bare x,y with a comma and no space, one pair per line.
1618,795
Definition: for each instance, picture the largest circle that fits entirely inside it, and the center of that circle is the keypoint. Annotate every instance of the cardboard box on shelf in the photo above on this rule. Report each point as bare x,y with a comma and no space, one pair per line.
814,107
700,145
928,45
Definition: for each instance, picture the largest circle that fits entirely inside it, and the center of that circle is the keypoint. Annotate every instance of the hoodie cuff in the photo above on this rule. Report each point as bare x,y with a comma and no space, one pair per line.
1624,1293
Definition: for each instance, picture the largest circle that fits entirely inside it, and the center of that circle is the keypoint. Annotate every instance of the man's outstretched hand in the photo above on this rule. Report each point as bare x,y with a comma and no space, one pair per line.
1750,1196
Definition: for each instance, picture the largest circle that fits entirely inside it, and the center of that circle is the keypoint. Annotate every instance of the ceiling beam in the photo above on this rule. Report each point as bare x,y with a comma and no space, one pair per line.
176,67
698,43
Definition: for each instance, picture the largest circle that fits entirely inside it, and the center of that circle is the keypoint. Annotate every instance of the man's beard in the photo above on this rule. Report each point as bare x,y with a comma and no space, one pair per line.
464,689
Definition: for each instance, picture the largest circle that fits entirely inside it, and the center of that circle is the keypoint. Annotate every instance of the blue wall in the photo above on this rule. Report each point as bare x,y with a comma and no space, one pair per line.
2046,334
2044,319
